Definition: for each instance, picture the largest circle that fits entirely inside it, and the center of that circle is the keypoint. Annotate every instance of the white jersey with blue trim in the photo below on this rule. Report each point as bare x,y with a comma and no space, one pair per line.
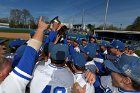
18,79
79,77
51,79
106,85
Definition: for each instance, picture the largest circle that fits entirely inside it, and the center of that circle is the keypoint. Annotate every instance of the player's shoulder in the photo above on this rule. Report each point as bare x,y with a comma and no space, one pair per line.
67,75
106,85
105,80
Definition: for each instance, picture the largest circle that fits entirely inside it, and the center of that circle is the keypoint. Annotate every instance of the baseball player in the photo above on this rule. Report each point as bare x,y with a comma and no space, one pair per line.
55,24
78,68
2,47
116,48
76,44
54,77
131,50
125,75
18,79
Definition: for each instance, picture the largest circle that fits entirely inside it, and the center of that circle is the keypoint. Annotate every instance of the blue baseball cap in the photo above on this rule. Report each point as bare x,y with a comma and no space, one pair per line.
78,40
84,39
104,43
2,41
17,42
59,51
32,33
132,47
78,59
117,44
90,51
93,36
126,65
56,19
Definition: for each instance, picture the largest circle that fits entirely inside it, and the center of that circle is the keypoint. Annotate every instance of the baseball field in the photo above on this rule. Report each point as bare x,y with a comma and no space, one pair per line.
14,35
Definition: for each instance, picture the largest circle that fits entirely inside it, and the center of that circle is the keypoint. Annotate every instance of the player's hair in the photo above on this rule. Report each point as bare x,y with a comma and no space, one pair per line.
135,85
4,61
87,57
80,68
92,37
58,62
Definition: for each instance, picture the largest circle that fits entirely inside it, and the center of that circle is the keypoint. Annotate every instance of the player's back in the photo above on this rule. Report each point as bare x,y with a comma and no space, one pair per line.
51,79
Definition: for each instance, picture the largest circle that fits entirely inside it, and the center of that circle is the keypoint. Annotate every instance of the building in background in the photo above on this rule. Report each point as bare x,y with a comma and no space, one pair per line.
4,25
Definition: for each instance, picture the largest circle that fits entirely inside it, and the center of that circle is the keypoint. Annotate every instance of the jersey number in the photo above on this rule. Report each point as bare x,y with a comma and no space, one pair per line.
47,89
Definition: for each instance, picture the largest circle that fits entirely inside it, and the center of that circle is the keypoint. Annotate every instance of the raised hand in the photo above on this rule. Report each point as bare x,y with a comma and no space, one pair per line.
42,25
90,77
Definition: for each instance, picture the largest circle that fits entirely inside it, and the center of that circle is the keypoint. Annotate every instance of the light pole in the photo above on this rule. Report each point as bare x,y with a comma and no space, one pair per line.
120,26
82,19
105,17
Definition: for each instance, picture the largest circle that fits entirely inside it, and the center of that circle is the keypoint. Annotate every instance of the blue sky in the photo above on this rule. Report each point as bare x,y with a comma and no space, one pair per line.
120,11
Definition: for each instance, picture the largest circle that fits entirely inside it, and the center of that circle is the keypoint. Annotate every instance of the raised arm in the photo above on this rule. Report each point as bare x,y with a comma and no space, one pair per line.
18,79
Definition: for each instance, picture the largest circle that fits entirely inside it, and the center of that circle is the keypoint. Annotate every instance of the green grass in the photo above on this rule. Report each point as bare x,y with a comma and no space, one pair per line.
138,52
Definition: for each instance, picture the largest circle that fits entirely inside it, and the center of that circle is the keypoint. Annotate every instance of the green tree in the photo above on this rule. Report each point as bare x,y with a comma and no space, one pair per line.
91,27
15,16
108,27
21,19
135,26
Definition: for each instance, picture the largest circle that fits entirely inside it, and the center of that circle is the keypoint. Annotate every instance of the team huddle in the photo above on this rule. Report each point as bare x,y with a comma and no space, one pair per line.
60,64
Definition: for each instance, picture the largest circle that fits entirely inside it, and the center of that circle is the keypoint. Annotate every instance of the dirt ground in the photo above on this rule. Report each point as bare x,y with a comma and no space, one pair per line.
15,35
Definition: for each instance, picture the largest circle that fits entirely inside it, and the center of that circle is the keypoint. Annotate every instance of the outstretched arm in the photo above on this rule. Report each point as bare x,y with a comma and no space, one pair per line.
18,79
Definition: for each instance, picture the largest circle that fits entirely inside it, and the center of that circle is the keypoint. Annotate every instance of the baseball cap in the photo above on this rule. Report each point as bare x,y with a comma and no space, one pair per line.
90,51
58,51
2,41
78,59
132,47
104,43
117,44
55,20
84,39
93,36
126,65
17,42
78,40
112,57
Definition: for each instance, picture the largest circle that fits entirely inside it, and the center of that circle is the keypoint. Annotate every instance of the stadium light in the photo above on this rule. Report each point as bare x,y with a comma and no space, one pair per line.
105,17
